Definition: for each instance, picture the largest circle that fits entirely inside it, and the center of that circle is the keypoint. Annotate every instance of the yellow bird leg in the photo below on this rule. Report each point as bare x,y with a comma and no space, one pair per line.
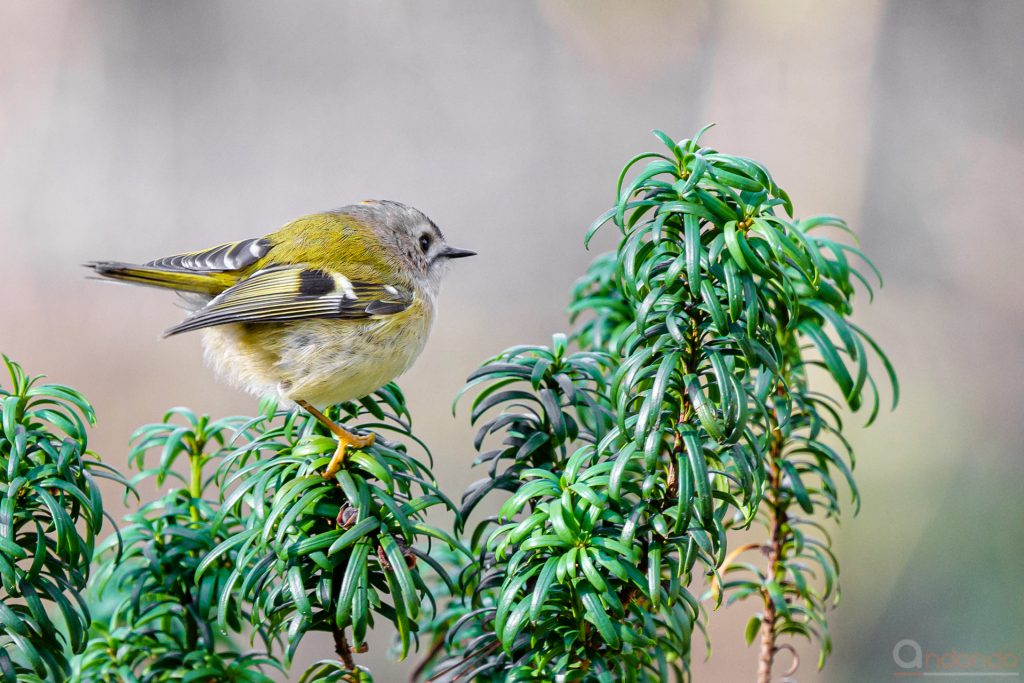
345,438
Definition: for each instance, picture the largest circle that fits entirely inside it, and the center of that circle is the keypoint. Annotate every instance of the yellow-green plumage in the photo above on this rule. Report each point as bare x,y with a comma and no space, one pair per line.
320,241
327,309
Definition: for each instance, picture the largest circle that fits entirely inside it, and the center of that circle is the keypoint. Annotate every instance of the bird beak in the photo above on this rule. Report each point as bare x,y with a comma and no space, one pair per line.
452,252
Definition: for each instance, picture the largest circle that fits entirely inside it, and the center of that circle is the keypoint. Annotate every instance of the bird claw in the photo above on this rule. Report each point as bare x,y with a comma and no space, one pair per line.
345,440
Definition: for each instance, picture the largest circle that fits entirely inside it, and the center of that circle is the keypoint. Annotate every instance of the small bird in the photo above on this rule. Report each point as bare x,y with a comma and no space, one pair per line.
328,309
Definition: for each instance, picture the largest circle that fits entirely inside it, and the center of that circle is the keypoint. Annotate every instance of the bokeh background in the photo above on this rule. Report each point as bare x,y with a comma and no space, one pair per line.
130,130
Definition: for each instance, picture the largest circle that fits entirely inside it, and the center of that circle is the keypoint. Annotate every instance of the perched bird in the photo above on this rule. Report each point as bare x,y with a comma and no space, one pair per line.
329,308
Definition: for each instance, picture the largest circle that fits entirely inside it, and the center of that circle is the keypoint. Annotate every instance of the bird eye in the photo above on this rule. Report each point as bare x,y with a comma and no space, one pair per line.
425,243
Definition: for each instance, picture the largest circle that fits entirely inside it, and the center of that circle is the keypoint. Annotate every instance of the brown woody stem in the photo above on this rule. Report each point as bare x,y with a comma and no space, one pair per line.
777,523
343,649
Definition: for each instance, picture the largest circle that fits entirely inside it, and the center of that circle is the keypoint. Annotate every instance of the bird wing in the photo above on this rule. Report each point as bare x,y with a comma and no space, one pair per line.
224,257
208,272
287,292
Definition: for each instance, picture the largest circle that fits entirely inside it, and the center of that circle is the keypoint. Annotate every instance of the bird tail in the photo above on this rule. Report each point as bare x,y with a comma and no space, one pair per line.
209,283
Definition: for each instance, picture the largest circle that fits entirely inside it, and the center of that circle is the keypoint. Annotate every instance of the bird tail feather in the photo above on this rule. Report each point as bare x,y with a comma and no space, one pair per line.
209,283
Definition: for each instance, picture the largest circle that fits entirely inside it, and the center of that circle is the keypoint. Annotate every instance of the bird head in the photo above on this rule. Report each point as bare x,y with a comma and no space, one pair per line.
410,237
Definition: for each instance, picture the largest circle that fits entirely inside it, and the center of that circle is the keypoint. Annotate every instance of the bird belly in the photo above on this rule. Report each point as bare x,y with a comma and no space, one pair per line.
326,369
319,361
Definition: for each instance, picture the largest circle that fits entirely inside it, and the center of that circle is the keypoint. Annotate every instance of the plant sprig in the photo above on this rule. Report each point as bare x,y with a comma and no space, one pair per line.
51,512
156,621
330,555
698,333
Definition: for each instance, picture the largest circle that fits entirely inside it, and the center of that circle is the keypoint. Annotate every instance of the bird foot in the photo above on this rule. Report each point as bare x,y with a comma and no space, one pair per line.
346,440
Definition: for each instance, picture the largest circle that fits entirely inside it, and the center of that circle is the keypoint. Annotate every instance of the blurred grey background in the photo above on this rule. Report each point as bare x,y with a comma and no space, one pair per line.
131,130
